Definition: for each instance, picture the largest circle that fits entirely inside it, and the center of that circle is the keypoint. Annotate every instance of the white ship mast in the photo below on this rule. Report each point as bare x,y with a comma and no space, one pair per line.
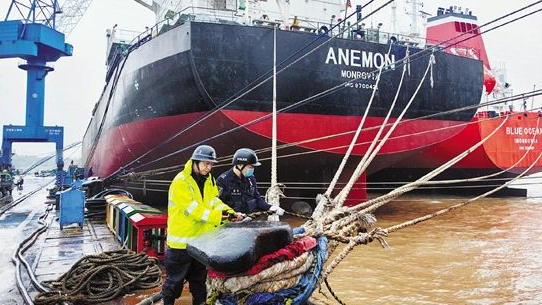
284,11
394,16
414,13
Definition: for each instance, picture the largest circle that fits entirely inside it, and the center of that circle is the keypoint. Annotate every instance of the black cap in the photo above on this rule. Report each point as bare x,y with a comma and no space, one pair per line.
245,156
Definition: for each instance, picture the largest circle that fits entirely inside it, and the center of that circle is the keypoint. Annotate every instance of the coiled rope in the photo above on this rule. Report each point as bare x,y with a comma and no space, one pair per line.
103,277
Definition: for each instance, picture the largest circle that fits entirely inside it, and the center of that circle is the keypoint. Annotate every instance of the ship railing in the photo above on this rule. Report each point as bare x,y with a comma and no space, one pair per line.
117,39
230,16
487,114
265,23
198,13
122,35
128,41
190,13
375,35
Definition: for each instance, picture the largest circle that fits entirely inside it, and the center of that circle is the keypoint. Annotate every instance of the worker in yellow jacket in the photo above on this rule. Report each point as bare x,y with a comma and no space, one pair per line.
193,209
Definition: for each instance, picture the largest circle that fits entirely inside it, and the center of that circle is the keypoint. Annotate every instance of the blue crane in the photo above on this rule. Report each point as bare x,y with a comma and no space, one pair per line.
29,31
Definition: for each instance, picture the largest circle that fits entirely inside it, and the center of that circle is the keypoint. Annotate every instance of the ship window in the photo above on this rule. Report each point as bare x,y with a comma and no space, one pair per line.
457,28
463,27
469,27
219,4
475,29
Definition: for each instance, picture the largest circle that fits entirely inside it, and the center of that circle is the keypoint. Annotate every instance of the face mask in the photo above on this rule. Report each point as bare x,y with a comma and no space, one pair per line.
249,172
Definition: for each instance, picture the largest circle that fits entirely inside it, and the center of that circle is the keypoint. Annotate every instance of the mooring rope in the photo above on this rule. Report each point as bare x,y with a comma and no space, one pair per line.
364,163
373,204
274,193
326,203
359,129
103,277
456,206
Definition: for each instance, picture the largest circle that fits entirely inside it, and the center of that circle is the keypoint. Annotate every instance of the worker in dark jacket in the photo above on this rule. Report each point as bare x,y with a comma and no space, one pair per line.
237,186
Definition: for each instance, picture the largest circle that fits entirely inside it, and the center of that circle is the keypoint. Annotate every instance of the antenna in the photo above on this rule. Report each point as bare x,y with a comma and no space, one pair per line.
394,16
414,12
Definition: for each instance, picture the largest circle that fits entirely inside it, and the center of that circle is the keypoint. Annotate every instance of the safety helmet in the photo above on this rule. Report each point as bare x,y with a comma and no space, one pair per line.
245,156
204,153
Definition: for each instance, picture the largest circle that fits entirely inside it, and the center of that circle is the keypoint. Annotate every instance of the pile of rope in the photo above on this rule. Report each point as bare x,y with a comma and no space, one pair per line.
103,277
287,276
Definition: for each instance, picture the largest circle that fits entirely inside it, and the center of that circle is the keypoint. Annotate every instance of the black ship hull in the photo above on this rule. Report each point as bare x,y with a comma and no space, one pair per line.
159,91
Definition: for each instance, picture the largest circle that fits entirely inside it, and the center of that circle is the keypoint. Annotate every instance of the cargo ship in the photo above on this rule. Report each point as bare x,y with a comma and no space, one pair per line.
511,151
189,66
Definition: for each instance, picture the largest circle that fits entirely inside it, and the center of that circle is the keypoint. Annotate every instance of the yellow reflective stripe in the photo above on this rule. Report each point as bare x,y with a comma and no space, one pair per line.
191,208
190,187
171,204
177,239
187,183
221,206
205,215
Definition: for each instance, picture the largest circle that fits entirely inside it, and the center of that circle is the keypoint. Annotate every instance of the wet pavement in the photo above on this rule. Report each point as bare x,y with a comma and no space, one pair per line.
15,224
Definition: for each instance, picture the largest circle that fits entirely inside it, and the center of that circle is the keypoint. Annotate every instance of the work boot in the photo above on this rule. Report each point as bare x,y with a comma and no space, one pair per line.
168,301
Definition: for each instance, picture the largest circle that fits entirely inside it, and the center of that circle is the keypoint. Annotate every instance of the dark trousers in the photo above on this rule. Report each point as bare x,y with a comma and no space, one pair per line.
180,266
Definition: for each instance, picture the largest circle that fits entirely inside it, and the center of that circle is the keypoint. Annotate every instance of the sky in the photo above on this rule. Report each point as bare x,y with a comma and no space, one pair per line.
77,82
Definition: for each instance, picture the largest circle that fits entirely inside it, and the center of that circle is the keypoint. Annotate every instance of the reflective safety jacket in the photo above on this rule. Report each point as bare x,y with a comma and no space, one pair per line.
190,215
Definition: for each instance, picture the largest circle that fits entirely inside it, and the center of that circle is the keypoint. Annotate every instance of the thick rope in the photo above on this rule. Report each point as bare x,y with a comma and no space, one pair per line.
320,209
456,206
361,239
370,155
274,191
356,135
103,277
371,152
281,271
333,294
373,204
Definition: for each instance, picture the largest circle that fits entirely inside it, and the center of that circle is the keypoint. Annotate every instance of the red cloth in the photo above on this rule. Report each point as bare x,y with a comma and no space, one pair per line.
289,252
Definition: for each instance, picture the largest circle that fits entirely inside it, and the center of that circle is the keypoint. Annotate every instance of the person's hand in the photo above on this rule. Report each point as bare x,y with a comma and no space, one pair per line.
278,210
246,219
235,217
238,217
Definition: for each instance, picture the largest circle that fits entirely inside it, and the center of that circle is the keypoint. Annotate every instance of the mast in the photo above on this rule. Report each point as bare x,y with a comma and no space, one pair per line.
414,15
394,16
284,12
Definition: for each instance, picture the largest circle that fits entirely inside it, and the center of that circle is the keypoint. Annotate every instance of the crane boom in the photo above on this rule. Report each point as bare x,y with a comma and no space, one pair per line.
71,12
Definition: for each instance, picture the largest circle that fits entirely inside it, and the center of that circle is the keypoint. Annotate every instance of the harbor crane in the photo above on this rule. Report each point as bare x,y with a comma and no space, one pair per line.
31,31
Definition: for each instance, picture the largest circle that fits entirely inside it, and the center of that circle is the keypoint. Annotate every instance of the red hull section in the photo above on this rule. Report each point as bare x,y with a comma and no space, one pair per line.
513,142
501,151
122,145
294,128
